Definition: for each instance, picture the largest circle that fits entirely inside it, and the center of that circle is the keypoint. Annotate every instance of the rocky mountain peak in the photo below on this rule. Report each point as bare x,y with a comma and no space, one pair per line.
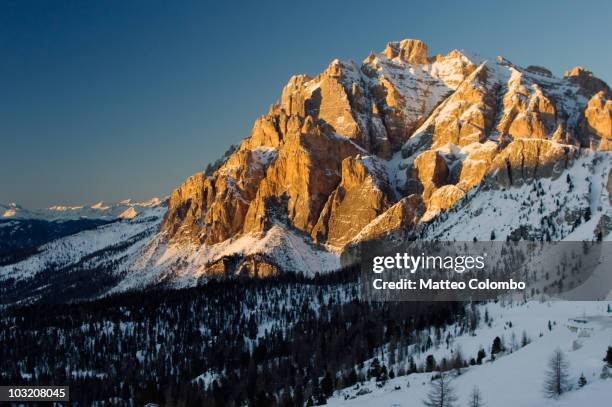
386,146
589,84
408,50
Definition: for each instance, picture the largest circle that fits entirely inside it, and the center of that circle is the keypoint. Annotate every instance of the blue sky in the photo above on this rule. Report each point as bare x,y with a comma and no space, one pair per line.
124,99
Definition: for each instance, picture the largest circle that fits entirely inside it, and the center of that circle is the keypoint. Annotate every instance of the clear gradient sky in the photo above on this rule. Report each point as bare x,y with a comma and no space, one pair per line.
109,100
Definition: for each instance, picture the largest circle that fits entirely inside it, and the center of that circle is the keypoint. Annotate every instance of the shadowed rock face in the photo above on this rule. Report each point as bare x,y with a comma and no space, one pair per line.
597,124
361,196
363,150
589,84
431,170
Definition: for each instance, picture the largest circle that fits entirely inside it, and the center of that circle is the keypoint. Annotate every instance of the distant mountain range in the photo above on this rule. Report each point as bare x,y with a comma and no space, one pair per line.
126,209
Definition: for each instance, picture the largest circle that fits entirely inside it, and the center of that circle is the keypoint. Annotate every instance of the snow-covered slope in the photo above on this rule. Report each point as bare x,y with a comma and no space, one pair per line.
66,251
79,260
182,265
582,330
544,209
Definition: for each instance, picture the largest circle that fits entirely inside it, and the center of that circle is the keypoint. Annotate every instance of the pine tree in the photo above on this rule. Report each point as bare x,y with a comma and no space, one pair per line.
383,376
475,398
497,346
556,382
442,393
327,385
605,372
430,363
374,370
524,339
587,214
582,380
481,355
608,358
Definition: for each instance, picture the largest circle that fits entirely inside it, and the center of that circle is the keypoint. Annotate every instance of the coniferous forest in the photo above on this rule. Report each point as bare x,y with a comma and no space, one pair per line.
287,341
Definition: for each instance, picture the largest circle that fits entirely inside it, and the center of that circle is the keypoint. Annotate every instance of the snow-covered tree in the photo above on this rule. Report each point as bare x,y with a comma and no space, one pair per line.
557,376
442,393
475,398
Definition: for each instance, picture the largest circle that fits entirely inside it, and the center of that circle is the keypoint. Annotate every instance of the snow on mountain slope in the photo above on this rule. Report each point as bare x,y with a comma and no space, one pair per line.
129,213
73,249
527,211
182,265
582,330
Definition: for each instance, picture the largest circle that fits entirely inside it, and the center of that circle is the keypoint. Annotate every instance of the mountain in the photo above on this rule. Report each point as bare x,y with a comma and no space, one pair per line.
364,150
444,147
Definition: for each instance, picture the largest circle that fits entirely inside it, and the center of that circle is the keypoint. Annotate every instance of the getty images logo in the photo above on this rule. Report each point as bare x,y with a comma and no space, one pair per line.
412,263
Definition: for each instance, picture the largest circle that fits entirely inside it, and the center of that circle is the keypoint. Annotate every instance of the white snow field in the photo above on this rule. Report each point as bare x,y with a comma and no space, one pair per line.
582,330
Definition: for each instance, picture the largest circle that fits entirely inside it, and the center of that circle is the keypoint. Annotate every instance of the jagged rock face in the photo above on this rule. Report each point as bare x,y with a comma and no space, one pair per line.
267,131
476,164
209,210
186,207
410,51
404,213
443,199
361,151
344,111
431,171
299,181
527,159
326,100
254,266
361,196
403,93
527,111
467,116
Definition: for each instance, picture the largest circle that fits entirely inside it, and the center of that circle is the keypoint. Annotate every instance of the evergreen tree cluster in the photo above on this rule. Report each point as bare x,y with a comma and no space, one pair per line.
279,341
